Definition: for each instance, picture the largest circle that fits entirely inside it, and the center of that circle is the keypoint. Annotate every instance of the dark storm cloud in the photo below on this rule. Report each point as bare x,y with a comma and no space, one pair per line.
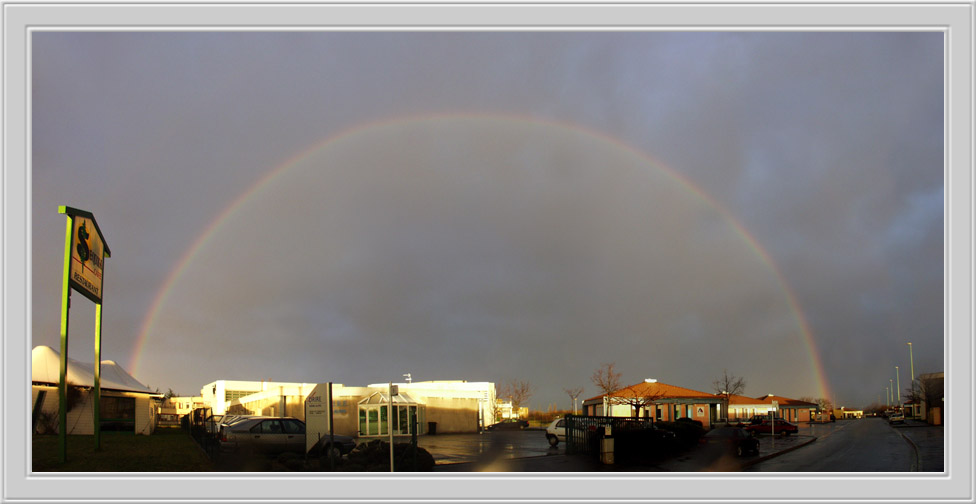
827,147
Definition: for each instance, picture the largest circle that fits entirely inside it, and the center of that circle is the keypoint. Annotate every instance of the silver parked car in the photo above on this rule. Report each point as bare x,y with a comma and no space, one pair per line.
556,431
273,435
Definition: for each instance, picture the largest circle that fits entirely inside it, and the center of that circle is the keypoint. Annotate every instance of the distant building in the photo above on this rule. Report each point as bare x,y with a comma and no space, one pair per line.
656,400
124,405
742,408
791,410
933,397
173,408
846,413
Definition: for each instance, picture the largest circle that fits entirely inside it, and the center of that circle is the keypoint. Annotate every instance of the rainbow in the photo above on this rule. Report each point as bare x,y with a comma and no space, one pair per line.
165,290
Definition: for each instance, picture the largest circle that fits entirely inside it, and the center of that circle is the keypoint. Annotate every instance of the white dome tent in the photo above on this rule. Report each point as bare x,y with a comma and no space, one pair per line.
126,404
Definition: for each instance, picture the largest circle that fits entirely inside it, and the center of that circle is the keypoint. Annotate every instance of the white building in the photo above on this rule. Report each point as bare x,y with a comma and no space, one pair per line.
444,406
125,404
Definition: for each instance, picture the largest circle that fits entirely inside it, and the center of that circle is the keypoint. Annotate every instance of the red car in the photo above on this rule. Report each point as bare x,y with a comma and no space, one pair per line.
770,427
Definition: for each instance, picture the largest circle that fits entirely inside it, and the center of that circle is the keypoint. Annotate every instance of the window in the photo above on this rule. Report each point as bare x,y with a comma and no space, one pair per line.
403,425
117,413
375,419
267,427
374,415
293,427
230,395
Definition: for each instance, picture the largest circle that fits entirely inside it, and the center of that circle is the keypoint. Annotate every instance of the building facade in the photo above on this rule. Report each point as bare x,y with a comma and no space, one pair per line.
658,401
454,406
791,410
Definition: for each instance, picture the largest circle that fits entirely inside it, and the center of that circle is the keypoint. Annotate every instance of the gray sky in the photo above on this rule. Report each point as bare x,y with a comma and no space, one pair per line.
499,206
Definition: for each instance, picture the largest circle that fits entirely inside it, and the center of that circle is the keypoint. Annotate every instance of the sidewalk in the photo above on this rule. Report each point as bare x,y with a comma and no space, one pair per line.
928,443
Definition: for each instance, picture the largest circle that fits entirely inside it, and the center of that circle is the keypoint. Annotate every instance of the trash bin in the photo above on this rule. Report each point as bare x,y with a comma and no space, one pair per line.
606,446
432,428
606,450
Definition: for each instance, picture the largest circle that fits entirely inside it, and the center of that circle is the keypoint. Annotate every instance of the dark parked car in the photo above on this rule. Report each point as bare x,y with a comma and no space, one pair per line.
690,421
777,426
732,439
272,435
509,424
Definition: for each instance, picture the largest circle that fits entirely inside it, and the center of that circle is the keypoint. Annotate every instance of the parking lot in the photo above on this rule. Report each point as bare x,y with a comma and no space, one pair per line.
488,446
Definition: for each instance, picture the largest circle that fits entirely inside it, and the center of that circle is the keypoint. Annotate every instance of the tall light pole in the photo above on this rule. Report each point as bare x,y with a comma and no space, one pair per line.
911,359
891,386
887,397
898,382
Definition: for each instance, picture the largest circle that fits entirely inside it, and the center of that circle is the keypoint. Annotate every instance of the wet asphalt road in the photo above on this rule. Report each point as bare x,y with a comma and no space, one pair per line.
489,446
866,445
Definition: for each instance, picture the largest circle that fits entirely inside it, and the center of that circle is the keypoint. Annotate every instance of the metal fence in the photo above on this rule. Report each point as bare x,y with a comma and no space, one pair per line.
201,426
584,432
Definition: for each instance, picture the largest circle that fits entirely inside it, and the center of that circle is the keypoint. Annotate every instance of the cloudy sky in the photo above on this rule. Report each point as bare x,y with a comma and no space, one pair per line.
350,207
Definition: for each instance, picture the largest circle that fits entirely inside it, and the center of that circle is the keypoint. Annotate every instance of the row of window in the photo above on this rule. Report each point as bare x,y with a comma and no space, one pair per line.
374,420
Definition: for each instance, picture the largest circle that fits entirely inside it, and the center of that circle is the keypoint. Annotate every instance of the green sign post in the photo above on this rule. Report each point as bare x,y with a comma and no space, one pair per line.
84,253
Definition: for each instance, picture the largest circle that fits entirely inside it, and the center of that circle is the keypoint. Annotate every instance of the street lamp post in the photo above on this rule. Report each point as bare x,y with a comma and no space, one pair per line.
911,359
887,397
891,387
898,379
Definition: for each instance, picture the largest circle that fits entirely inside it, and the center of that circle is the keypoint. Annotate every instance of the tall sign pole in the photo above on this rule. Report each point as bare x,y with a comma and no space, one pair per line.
84,253
62,380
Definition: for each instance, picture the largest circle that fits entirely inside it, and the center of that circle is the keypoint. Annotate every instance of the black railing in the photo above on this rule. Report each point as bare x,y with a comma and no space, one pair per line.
203,429
584,432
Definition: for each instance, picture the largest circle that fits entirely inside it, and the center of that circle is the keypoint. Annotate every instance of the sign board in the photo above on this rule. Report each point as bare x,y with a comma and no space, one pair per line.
701,411
317,415
88,252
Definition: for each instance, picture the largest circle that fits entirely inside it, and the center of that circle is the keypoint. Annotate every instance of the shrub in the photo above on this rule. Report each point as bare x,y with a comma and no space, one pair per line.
688,433
375,456
47,422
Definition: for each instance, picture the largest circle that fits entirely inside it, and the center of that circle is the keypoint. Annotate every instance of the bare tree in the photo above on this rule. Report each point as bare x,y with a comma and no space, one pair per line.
518,392
637,398
727,386
607,380
574,393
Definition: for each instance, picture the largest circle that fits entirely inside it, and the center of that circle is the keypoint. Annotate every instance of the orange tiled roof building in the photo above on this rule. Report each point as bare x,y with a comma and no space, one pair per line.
658,401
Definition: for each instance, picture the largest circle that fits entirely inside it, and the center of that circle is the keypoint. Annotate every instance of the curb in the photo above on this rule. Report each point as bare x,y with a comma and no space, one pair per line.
917,466
776,454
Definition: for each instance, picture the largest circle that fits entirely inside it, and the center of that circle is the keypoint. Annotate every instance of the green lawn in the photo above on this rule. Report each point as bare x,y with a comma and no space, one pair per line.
166,450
